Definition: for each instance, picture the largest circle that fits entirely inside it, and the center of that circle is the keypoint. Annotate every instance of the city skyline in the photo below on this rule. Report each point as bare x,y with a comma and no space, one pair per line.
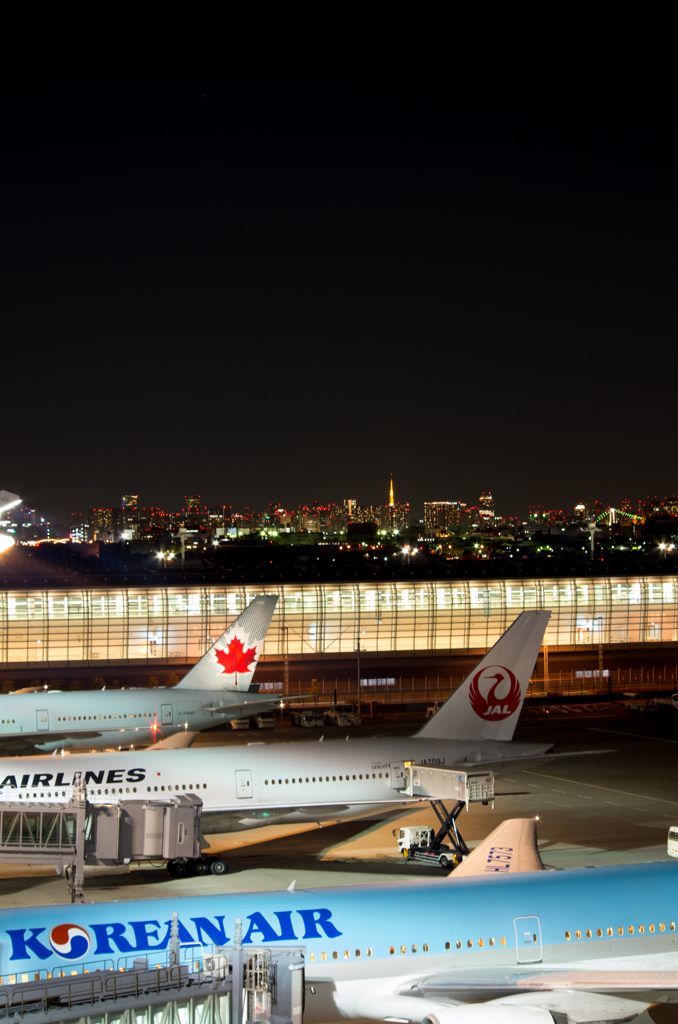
484,509
322,266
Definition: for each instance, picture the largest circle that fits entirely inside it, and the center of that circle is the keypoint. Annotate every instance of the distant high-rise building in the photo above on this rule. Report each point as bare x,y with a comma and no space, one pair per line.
580,512
100,522
350,505
391,502
366,514
130,502
394,517
442,517
486,508
192,502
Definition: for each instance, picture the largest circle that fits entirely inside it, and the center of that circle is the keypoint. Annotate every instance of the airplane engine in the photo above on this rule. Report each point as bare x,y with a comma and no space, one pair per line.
489,1013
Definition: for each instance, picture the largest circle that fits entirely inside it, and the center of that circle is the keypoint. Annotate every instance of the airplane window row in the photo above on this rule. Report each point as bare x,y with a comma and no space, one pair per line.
381,775
32,794
620,931
94,718
200,785
347,955
414,949
8,721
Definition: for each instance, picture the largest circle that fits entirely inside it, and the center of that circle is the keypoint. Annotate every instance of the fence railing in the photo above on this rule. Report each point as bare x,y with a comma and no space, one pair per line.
414,689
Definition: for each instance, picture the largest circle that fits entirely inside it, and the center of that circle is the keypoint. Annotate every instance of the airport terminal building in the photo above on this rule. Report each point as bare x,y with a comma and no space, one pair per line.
90,623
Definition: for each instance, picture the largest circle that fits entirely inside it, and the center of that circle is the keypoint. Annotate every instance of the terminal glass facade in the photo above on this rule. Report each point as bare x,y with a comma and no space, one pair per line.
177,624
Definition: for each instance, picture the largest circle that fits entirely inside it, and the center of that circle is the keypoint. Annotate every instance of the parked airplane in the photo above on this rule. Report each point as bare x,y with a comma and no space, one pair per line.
262,784
217,689
500,941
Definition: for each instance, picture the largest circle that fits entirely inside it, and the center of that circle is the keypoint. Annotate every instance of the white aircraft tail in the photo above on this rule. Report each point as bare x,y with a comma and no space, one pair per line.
488,703
509,850
231,662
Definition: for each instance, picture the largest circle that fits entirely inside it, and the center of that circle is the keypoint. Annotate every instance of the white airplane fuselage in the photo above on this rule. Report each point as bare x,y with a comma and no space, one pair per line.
116,718
261,784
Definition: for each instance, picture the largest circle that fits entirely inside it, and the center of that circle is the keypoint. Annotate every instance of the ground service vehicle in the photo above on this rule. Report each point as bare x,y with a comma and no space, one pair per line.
633,702
418,843
671,702
265,720
342,714
240,723
308,719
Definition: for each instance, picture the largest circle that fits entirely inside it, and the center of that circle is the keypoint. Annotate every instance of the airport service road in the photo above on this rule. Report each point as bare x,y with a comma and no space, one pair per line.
611,809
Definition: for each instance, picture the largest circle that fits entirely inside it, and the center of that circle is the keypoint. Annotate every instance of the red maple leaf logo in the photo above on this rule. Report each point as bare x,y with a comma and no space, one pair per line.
235,658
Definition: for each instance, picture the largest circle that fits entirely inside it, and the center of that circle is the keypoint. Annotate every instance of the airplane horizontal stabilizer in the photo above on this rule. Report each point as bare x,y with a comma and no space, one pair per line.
230,663
509,850
488,703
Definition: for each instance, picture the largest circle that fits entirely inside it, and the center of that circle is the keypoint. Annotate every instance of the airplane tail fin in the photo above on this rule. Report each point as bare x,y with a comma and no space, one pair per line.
488,703
230,663
510,849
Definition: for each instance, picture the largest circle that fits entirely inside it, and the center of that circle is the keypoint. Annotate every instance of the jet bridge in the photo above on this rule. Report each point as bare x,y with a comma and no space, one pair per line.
213,985
438,784
75,833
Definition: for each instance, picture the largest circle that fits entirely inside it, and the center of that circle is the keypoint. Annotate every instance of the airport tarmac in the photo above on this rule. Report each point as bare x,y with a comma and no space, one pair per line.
612,808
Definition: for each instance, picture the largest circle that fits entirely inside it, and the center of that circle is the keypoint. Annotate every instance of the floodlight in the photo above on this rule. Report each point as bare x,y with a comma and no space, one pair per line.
5,542
8,500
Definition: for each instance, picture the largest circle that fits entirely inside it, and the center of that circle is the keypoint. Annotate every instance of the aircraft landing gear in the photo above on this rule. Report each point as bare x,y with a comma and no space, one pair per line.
184,868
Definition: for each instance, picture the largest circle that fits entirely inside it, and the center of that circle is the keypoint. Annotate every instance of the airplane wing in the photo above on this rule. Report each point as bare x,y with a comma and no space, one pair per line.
273,701
515,764
178,741
497,982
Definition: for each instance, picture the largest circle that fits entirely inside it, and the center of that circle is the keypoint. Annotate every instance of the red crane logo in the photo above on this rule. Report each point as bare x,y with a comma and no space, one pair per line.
494,693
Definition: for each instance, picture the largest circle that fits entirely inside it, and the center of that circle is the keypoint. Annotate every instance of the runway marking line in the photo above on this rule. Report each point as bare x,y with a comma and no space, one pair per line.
606,789
636,735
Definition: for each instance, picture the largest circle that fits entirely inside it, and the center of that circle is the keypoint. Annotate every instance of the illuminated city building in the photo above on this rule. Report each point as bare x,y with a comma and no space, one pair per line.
100,523
442,517
129,502
114,625
486,509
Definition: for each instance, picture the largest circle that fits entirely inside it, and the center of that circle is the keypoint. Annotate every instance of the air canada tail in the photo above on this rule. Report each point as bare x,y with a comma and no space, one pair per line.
488,703
230,663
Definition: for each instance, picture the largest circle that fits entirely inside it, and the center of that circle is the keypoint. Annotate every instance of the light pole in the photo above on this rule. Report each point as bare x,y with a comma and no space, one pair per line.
599,620
359,692
286,660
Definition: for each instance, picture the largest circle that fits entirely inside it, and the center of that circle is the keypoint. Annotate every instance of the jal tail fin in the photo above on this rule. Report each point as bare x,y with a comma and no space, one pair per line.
510,850
231,662
488,703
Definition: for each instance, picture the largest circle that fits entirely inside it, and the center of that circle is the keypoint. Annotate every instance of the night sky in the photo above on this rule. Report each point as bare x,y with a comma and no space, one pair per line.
260,273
